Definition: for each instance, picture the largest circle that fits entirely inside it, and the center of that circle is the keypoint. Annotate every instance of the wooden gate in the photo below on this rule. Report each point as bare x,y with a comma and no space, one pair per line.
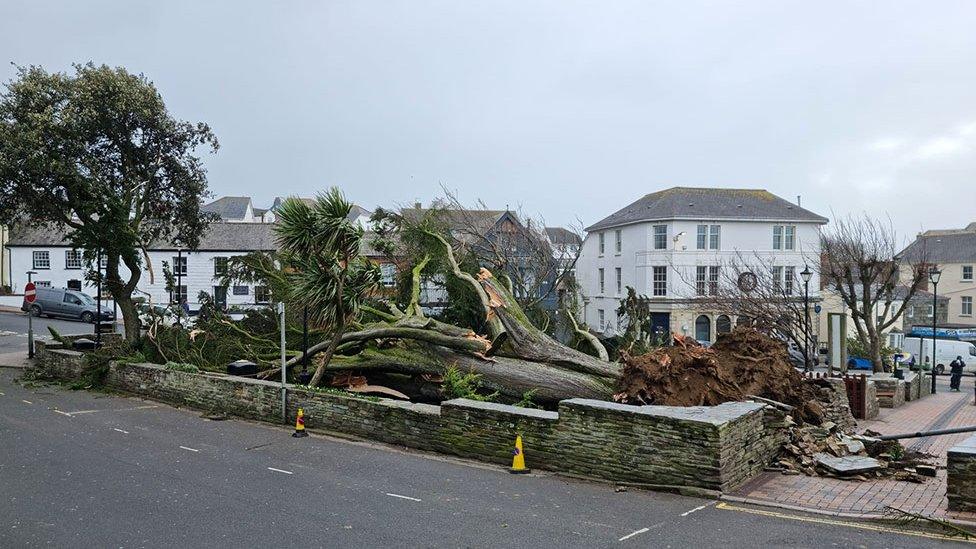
856,392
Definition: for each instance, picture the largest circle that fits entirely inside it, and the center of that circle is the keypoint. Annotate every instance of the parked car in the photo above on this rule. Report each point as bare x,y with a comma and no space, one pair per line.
52,302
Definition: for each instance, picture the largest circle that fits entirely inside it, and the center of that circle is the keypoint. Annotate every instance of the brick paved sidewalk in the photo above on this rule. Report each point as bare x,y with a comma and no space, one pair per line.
939,411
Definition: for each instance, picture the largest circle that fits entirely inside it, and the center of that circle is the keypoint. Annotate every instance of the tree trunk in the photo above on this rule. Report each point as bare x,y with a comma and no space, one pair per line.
130,316
877,362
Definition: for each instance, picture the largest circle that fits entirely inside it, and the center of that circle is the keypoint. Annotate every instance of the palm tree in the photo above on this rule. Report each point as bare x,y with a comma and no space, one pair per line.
321,246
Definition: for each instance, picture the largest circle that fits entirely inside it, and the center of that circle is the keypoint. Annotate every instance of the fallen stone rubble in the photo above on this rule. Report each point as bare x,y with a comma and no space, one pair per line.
824,450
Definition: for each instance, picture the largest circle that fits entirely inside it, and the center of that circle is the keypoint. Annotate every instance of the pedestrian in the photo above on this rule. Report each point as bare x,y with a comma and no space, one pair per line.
955,368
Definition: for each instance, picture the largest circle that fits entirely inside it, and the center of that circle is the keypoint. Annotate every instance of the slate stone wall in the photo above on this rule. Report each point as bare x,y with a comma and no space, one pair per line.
961,476
832,395
871,406
711,448
53,361
890,390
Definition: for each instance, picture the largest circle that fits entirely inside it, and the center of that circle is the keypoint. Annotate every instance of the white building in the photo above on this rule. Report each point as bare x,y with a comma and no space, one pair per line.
672,244
56,264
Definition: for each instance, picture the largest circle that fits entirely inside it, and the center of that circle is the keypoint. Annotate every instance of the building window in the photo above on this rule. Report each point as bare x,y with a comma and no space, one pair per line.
714,240
778,279
220,266
911,310
660,237
620,281
261,294
72,259
179,294
703,329
617,241
723,325
702,237
929,310
967,306
602,318
784,237
179,266
388,274
241,290
603,242
713,280
42,283
701,277
602,280
660,281
42,260
967,272
789,274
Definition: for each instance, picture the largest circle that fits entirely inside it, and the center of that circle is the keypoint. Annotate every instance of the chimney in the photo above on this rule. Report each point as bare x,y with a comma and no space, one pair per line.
417,205
798,201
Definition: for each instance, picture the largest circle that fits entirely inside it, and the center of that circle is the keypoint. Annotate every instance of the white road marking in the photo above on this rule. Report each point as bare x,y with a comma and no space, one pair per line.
401,497
62,413
280,471
79,412
189,449
26,401
634,533
120,430
2,394
699,508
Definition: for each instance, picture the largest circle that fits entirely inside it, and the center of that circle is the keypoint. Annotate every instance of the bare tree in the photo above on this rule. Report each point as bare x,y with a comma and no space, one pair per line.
860,264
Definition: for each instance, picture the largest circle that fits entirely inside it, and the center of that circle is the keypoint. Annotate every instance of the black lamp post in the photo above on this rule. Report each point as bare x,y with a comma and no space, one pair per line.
805,275
934,275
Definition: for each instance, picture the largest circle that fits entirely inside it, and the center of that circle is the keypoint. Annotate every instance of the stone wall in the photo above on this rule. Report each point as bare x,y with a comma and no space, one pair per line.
832,395
871,406
890,390
961,476
53,361
913,385
710,448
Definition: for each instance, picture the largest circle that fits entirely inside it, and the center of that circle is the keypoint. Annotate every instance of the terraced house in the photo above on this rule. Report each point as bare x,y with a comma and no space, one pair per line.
672,245
954,252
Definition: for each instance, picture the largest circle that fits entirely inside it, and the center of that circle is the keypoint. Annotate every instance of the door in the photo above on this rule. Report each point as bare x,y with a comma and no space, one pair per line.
220,297
661,328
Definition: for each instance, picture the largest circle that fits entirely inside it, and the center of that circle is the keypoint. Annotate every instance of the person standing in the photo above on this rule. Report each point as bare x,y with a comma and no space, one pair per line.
955,368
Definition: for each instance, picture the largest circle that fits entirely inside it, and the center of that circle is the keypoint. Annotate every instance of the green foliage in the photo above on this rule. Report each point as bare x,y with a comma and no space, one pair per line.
96,153
527,399
182,367
860,349
637,338
458,384
56,334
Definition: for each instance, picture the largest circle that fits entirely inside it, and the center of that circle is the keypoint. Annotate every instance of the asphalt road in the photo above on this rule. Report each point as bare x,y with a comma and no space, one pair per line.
84,469
13,329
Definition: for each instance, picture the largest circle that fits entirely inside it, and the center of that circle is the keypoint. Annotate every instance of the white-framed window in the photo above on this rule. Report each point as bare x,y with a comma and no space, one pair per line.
242,290
261,295
601,315
784,237
179,265
911,310
660,237
778,279
42,259
602,280
967,273
42,283
967,305
620,280
72,259
617,241
701,279
388,274
713,280
714,237
660,281
602,237
220,266
702,240
789,275
179,294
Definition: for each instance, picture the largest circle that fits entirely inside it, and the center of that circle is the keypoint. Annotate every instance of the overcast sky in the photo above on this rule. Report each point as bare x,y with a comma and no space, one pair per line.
567,109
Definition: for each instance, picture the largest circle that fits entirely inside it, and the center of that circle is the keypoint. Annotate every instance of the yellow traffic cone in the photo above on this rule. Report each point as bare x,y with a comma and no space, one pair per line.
518,457
300,424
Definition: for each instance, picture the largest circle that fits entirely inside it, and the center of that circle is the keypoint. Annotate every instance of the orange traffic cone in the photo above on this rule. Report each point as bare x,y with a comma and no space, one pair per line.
518,457
300,424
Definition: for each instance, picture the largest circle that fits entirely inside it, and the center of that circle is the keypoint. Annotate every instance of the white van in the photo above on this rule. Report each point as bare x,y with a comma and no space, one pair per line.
946,350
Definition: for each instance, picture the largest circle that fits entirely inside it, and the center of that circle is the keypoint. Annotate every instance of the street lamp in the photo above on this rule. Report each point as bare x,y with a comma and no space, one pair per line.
934,275
805,275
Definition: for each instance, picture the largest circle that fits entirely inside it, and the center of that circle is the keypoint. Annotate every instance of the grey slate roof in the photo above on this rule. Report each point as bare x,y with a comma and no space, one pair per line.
228,207
219,237
706,204
561,235
942,247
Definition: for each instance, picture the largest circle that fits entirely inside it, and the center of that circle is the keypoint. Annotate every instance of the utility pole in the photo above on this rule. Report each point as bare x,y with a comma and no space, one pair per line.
98,299
284,388
30,322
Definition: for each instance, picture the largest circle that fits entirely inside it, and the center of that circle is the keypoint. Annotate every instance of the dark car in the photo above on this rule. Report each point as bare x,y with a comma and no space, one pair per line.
66,303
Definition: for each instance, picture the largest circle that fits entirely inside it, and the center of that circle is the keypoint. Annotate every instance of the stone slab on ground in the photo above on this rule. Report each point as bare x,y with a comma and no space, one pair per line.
847,465
16,359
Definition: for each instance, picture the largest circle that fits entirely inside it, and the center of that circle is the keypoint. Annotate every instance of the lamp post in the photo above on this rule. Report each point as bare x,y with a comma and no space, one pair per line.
934,275
805,275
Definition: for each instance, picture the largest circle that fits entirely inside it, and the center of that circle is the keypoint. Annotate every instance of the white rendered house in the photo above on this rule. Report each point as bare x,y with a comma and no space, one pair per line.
673,244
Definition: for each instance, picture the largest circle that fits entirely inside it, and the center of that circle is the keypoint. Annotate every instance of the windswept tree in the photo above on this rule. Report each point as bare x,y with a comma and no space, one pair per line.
97,155
860,264
320,246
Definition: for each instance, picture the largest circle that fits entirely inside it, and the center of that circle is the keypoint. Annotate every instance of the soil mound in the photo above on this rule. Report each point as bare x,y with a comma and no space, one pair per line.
740,364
